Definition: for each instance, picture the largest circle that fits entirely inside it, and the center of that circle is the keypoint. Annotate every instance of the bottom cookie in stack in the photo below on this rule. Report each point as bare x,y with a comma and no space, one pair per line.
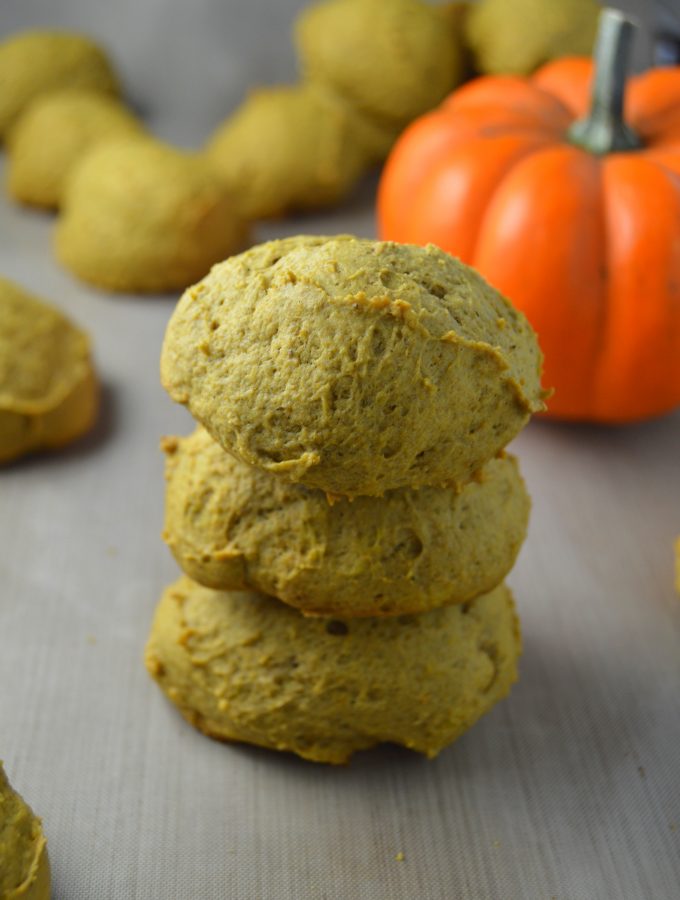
242,666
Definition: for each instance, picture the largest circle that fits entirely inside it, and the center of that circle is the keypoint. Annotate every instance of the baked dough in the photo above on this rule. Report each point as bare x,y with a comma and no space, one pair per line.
391,60
244,667
48,388
56,130
287,148
36,61
232,526
516,38
140,216
353,366
24,865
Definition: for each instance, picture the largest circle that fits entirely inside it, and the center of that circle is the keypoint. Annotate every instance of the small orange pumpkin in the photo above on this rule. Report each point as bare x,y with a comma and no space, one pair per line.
573,215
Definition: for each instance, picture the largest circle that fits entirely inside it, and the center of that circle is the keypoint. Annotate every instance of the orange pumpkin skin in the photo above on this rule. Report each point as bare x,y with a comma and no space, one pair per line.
587,247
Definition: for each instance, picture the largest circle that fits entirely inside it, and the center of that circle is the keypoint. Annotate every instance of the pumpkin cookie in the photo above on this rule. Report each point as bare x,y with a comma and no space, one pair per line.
232,526
48,388
391,61
353,366
55,132
140,216
24,865
287,148
516,38
244,667
36,61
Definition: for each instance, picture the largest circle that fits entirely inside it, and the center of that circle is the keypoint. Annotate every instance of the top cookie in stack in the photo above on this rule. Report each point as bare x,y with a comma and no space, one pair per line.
353,366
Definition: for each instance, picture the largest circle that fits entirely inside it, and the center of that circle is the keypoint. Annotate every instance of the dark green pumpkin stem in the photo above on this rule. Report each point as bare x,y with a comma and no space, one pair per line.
603,130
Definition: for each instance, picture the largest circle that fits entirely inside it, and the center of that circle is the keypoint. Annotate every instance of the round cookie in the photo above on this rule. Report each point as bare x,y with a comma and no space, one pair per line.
244,667
392,61
516,38
287,148
140,216
56,130
24,864
48,388
36,61
232,526
353,366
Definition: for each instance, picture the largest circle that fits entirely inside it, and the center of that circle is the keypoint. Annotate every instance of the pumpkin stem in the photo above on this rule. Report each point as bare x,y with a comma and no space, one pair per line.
603,130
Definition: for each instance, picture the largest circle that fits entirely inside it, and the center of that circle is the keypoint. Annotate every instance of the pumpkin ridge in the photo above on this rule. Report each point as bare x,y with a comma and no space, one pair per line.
518,161
473,165
637,360
529,231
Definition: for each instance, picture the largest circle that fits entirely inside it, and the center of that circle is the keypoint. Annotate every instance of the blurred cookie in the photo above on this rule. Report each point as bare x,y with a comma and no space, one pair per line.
287,148
391,61
140,216
56,130
24,865
353,366
244,667
36,61
516,38
232,526
48,388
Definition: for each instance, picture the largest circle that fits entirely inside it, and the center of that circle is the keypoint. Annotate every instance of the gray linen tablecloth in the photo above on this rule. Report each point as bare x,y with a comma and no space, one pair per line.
570,789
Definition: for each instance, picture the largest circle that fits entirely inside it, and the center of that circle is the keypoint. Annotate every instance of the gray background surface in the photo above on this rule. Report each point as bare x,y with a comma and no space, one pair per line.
570,789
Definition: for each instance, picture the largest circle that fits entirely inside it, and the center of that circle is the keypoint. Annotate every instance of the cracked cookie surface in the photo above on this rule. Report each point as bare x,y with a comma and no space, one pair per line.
353,366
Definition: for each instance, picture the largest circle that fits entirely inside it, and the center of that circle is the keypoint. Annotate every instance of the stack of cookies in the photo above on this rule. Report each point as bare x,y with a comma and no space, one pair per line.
344,513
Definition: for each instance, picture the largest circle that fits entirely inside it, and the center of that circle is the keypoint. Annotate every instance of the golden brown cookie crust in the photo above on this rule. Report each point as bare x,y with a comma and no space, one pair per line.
353,366
231,526
244,667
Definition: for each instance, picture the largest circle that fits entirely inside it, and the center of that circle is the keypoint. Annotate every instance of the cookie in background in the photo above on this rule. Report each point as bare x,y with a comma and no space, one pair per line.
56,131
140,216
516,38
49,394
390,61
33,62
287,148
